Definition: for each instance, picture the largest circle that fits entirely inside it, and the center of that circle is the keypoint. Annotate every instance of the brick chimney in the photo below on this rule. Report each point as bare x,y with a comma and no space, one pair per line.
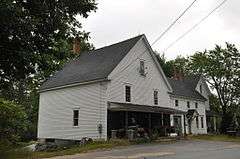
76,45
177,74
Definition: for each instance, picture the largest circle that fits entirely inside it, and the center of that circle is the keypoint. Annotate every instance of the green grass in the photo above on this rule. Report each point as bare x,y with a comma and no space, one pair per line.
226,138
23,154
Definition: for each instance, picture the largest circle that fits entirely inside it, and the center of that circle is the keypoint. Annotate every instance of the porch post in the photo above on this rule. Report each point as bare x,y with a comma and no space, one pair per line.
149,121
163,124
126,123
162,119
149,124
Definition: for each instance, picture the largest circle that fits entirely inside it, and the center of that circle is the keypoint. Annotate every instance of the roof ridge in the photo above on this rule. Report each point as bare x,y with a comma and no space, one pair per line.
138,36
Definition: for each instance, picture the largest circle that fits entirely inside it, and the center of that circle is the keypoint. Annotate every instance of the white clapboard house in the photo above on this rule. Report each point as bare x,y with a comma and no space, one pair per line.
116,88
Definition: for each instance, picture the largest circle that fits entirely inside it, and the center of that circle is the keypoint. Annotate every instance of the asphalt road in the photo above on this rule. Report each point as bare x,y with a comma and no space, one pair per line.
178,150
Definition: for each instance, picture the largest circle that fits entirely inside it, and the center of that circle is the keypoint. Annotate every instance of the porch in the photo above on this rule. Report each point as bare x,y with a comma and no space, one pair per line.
142,121
213,122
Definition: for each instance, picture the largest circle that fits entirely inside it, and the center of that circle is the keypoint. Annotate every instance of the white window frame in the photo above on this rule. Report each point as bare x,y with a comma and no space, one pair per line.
76,118
130,93
155,99
142,69
176,102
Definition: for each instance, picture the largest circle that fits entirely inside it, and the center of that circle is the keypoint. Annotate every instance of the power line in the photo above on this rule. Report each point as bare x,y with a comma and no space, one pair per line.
194,26
173,23
158,38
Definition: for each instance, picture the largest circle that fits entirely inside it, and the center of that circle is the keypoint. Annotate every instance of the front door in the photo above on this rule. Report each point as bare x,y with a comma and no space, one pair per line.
178,124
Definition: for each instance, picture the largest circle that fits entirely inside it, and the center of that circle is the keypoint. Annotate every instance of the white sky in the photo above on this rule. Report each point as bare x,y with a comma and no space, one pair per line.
117,20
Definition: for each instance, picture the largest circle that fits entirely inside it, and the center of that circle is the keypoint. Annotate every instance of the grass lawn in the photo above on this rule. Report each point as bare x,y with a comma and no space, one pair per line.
216,138
23,154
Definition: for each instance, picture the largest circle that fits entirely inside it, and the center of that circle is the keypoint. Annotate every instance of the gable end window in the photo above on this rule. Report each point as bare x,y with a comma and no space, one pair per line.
128,93
196,105
75,117
155,96
176,103
188,104
142,68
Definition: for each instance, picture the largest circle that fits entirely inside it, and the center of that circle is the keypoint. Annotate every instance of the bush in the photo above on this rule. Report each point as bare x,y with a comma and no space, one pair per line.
12,124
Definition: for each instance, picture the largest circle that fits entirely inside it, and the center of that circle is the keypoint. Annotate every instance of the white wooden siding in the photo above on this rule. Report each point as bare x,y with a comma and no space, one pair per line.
182,105
142,88
56,112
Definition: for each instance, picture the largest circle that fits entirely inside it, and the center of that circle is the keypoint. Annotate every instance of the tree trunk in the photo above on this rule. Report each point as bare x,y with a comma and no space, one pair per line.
225,122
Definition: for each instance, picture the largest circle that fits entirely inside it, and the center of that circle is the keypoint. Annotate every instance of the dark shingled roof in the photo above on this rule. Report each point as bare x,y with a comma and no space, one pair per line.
186,87
93,65
115,106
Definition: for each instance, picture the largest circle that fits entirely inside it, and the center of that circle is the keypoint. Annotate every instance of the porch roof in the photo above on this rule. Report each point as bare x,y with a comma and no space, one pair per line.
192,113
115,106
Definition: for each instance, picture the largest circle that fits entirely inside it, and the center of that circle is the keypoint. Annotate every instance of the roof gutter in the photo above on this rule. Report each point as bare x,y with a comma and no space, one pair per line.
74,84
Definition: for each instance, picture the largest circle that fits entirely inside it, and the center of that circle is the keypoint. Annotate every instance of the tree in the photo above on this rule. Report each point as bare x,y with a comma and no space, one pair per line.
220,67
179,64
167,66
35,41
32,33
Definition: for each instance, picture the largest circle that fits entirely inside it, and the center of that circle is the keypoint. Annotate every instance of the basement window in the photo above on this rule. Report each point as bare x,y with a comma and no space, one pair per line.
75,117
50,140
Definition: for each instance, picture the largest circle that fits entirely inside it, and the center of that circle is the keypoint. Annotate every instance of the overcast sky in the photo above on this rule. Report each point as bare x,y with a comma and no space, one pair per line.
117,20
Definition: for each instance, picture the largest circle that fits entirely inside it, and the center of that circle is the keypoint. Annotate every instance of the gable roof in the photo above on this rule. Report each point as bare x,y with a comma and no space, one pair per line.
157,63
93,65
186,87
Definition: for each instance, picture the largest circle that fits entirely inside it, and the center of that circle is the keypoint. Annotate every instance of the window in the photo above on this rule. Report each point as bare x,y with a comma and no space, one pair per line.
128,93
142,68
155,96
202,124
200,88
176,103
188,104
75,117
196,105
197,122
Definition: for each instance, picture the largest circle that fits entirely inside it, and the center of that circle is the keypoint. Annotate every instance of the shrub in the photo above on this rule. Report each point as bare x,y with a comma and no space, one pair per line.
12,124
